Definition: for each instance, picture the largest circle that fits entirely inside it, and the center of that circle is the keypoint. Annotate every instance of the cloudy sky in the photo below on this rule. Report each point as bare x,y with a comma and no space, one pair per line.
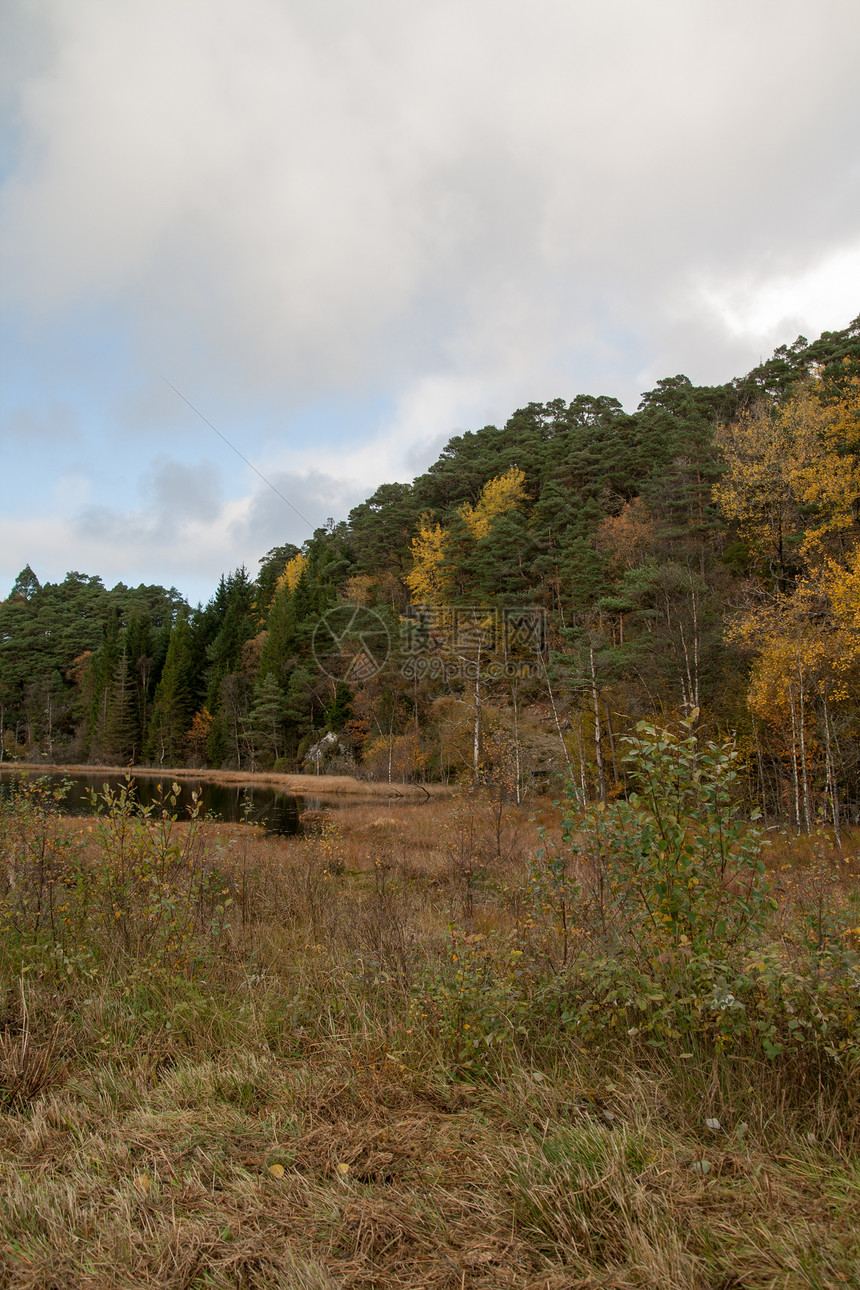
345,230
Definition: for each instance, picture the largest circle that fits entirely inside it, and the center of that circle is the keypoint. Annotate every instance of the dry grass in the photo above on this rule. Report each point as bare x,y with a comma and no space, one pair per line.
347,1169
324,786
274,1118
27,1067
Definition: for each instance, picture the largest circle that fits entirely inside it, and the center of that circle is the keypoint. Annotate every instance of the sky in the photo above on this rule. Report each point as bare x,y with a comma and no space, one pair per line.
342,231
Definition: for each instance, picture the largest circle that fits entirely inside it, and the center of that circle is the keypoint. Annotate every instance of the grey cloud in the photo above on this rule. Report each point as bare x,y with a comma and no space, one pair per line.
316,496
298,193
422,455
176,495
185,492
49,424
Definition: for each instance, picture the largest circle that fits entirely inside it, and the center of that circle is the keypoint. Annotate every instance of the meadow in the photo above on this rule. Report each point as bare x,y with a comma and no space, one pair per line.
452,1043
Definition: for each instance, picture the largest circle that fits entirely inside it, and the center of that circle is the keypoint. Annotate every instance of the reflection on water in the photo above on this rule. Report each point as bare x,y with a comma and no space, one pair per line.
275,811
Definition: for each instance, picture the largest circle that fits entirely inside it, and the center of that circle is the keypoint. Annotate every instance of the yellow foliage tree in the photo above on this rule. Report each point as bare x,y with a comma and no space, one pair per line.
826,463
807,662
292,573
426,579
792,476
498,496
198,735
628,536
431,578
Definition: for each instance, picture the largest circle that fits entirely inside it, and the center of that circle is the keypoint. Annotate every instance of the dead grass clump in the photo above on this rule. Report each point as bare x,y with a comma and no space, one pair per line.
27,1068
28,1065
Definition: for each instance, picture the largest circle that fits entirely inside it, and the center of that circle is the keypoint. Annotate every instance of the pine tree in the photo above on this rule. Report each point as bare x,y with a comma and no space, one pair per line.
266,718
173,702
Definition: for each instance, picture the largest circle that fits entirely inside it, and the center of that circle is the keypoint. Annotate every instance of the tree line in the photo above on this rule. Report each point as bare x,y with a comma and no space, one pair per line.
696,559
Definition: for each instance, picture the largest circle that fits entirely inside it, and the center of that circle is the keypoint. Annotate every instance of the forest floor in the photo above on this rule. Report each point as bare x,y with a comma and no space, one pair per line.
291,1111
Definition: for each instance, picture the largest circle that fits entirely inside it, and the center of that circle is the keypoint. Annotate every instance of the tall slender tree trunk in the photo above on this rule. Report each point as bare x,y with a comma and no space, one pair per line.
611,734
760,770
831,778
598,754
582,776
476,728
695,601
557,722
802,723
237,741
794,758
517,767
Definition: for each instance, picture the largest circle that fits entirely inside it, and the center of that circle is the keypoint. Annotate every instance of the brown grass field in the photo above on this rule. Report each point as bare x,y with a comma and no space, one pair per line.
282,1090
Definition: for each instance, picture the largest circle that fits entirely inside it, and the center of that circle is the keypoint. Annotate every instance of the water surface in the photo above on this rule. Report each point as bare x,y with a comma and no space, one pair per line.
276,811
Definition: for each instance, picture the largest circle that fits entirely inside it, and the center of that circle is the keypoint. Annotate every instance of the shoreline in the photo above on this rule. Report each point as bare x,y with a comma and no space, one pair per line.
295,784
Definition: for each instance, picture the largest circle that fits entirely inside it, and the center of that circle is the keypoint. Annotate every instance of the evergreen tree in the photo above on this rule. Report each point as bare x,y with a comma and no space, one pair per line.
26,585
272,566
120,737
266,719
173,704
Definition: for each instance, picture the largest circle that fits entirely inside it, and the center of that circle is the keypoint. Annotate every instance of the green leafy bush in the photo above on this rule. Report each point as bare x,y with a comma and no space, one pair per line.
677,865
651,915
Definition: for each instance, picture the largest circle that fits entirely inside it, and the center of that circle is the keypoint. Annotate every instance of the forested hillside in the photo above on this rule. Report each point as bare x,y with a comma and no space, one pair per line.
512,612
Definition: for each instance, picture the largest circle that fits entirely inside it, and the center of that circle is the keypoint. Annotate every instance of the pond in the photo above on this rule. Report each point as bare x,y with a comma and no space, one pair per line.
275,811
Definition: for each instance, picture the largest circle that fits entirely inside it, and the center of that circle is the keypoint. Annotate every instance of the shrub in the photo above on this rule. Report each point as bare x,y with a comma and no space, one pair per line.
134,885
677,865
651,914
